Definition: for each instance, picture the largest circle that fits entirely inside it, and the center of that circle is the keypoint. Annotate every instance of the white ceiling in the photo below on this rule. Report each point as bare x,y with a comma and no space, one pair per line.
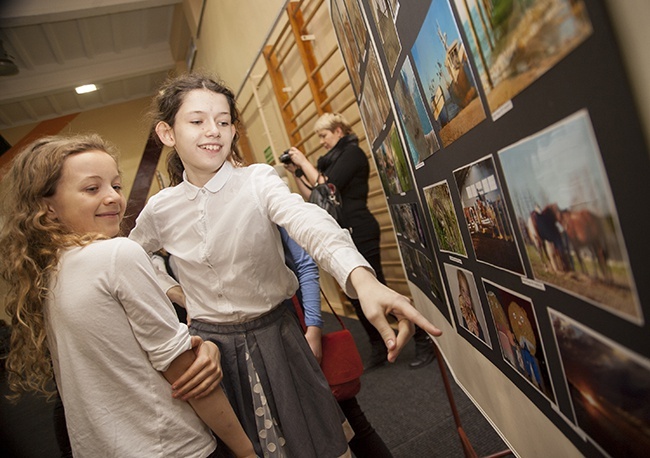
122,46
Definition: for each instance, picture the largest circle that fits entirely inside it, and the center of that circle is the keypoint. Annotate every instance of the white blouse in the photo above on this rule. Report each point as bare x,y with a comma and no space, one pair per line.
226,245
110,330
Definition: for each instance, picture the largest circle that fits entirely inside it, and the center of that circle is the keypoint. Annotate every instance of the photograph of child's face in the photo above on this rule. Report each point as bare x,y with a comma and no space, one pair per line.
518,336
467,303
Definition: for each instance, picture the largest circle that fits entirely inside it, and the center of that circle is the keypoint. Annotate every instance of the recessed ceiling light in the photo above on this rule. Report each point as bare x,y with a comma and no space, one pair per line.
85,88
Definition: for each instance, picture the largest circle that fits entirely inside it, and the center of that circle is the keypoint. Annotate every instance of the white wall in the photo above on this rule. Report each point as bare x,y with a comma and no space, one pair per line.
231,34
630,20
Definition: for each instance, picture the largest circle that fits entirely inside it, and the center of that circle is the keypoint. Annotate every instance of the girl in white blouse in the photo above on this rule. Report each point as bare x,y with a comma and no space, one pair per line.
86,305
219,223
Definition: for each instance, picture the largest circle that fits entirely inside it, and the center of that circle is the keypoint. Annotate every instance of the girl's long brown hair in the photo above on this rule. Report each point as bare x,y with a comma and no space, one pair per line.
30,246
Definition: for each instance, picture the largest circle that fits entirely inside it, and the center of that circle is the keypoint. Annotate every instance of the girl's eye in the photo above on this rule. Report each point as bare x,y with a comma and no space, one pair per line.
195,122
91,189
224,123
117,187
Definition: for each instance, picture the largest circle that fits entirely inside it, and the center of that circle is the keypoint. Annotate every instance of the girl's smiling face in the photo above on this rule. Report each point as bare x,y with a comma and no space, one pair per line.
202,134
88,196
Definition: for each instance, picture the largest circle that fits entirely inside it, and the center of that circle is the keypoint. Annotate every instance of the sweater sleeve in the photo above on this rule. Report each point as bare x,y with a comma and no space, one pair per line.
308,278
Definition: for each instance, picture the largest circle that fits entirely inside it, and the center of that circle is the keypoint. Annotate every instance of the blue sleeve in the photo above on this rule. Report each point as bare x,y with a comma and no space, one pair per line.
306,271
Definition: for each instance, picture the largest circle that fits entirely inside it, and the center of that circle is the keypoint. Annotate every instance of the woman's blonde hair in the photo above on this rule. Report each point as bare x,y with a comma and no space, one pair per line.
330,121
30,244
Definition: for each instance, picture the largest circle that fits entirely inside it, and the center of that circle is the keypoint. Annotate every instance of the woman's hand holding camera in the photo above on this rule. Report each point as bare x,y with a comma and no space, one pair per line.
292,159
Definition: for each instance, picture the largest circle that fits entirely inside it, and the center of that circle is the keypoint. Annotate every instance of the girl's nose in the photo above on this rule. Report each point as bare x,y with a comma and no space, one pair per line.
113,195
213,130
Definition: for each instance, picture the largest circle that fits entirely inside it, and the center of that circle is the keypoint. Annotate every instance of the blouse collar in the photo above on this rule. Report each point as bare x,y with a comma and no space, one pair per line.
213,186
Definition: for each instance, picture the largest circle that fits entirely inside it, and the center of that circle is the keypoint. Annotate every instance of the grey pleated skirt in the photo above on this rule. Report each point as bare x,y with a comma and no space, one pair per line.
277,388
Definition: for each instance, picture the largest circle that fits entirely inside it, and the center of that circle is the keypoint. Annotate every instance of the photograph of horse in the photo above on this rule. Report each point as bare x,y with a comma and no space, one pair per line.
567,217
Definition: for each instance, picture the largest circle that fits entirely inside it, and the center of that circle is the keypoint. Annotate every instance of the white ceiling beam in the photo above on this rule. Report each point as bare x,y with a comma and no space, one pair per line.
29,12
54,103
116,29
114,67
29,110
54,44
86,40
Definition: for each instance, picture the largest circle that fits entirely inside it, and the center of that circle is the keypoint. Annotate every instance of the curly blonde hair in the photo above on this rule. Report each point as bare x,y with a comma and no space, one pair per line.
30,246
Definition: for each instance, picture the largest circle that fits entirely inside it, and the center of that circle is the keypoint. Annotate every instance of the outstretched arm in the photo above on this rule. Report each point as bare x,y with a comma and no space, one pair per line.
215,410
378,301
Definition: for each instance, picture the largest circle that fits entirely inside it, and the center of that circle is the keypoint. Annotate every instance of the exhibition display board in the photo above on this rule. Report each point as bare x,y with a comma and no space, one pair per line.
512,158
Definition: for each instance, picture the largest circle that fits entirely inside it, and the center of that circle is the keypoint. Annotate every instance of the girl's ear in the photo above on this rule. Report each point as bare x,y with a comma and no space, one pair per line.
51,210
165,134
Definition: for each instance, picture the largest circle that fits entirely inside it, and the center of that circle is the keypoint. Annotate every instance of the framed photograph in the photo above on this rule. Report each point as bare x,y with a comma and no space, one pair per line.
467,303
358,25
375,80
408,255
370,116
443,218
347,45
514,43
566,214
392,166
430,275
442,64
486,216
408,222
384,20
420,137
520,342
609,388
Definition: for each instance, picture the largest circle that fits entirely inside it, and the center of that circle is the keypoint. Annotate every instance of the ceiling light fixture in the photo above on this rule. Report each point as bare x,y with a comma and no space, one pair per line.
85,88
7,65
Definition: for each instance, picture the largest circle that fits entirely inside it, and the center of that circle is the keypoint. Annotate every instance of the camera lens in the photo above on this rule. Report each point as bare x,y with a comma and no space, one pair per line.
285,158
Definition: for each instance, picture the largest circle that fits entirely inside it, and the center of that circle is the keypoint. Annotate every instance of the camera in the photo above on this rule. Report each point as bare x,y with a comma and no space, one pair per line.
285,158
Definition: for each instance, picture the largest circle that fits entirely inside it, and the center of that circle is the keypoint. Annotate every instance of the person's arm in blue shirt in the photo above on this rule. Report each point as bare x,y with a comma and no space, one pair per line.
306,271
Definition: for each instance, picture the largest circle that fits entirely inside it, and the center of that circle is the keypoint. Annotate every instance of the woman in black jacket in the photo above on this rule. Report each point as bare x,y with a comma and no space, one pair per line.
346,166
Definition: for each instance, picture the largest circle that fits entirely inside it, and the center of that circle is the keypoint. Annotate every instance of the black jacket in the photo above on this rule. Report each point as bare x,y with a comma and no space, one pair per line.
347,167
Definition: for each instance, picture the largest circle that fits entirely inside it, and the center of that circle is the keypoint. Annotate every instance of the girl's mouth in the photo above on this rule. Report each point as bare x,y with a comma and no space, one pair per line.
210,147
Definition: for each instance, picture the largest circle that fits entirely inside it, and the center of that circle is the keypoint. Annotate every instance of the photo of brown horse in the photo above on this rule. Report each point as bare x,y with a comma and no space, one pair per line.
565,213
